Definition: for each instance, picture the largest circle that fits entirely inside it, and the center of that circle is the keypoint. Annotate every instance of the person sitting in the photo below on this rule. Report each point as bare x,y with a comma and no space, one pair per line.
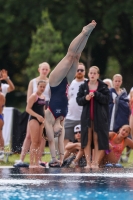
131,116
117,142
74,148
119,110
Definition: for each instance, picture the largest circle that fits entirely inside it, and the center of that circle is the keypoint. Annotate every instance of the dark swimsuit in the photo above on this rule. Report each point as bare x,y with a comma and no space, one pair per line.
1,117
59,101
38,107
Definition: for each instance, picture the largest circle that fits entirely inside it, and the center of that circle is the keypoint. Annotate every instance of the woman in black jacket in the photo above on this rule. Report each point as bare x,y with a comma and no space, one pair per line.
93,95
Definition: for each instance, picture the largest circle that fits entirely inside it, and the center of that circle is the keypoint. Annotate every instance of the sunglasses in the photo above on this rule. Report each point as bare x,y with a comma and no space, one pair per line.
77,132
80,70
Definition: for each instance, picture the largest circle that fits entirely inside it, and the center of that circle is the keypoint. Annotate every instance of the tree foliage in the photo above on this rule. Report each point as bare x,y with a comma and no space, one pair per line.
18,20
26,39
46,47
113,34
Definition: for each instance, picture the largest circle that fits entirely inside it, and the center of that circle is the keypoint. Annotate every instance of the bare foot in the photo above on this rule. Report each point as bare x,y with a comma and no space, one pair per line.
94,166
93,22
32,166
40,166
87,167
55,160
88,29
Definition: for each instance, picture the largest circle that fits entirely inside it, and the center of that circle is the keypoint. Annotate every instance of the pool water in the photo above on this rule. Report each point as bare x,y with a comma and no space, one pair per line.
66,184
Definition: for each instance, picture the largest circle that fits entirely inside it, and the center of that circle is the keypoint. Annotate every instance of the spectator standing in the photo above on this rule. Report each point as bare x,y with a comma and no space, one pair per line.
5,88
74,110
43,70
93,95
35,107
117,142
119,110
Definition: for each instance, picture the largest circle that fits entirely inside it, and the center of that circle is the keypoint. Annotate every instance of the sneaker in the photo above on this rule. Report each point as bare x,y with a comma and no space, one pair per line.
73,164
17,165
54,164
118,165
109,165
1,156
82,162
19,162
43,164
124,159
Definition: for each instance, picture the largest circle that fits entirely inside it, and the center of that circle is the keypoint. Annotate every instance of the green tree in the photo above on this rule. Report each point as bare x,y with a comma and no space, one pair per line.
118,24
46,46
18,20
71,16
112,36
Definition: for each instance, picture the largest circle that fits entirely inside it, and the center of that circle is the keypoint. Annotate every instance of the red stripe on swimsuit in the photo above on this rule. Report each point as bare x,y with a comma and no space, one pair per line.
92,106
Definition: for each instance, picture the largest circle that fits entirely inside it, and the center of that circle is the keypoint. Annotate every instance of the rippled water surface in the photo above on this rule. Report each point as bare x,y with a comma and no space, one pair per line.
66,184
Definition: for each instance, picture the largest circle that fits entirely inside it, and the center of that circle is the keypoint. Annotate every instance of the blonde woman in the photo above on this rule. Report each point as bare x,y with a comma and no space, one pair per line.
35,107
93,95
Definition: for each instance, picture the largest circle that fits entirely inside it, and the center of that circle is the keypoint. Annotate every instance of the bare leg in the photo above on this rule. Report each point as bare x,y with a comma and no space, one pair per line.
100,159
96,151
42,146
70,148
56,146
67,154
69,63
1,137
36,135
39,150
87,149
26,144
57,125
76,160
49,122
79,155
65,142
131,124
61,143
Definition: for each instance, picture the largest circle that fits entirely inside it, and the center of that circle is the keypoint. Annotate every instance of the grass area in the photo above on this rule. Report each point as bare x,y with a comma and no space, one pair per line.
130,160
47,157
13,157
113,67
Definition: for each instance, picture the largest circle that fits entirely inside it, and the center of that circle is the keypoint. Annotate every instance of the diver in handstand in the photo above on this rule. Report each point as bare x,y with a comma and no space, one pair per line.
59,79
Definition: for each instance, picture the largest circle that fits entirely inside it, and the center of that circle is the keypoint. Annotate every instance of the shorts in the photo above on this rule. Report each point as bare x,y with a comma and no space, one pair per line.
69,128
